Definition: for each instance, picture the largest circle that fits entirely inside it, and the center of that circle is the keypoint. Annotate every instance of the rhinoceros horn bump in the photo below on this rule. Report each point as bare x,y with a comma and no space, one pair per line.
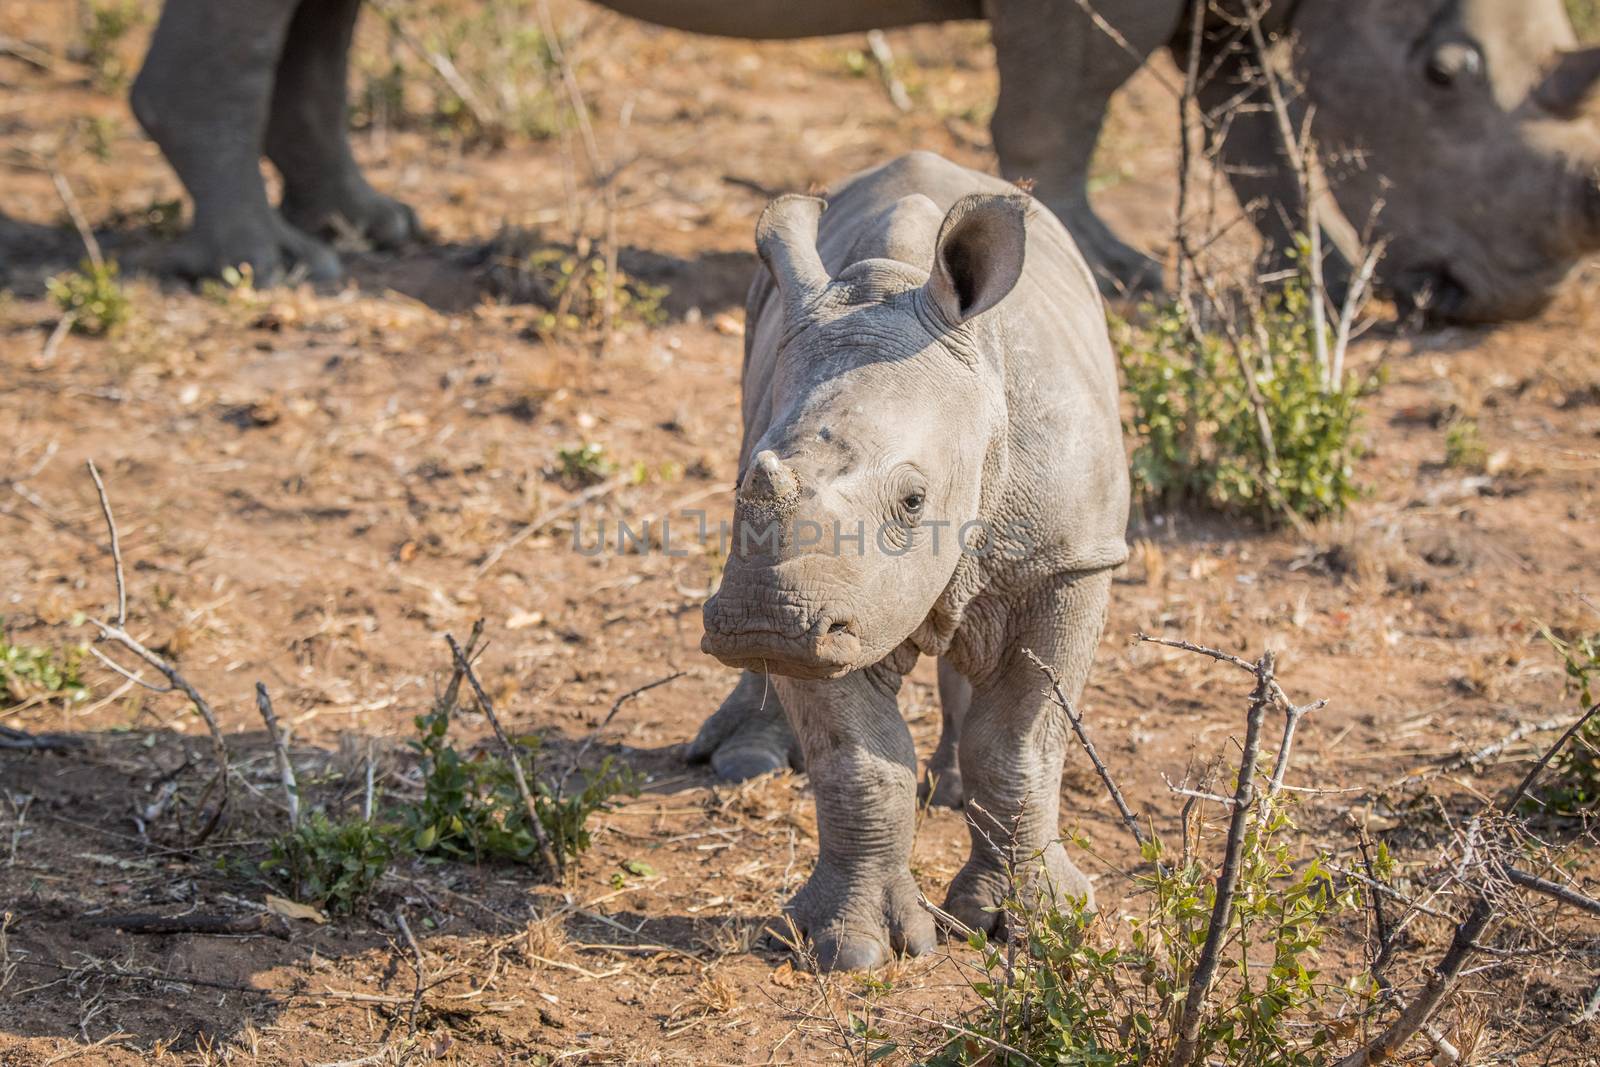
768,481
1567,88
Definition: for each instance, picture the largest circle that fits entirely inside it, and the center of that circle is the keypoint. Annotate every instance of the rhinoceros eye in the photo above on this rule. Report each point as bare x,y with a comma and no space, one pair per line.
912,503
1454,62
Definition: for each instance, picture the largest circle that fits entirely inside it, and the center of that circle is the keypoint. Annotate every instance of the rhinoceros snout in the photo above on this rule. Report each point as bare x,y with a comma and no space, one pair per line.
823,646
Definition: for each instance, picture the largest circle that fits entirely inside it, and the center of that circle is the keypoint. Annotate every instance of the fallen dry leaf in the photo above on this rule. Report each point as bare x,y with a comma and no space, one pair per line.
290,909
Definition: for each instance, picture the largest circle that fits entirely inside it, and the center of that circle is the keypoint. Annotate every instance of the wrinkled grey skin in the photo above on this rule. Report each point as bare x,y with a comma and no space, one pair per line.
932,355
1463,117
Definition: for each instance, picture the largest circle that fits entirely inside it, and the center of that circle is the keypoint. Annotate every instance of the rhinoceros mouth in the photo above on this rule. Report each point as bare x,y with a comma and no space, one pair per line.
828,648
1433,291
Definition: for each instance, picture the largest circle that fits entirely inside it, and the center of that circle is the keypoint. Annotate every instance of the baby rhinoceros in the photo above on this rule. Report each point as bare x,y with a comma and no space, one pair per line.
932,465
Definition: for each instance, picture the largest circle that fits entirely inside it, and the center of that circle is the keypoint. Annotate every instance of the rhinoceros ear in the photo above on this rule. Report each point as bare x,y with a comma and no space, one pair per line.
786,240
979,254
1567,88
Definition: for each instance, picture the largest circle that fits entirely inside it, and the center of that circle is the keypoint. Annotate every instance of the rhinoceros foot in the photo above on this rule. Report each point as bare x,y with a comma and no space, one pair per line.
941,788
852,920
353,209
979,890
748,735
271,248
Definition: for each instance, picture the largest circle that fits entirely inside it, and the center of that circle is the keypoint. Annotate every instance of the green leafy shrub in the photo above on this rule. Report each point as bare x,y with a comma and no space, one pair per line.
106,24
1585,18
584,464
1575,772
1082,989
92,296
1463,445
28,671
484,71
334,865
471,806
1197,430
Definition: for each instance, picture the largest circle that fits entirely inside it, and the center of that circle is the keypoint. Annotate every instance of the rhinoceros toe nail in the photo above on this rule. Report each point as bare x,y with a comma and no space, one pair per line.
848,952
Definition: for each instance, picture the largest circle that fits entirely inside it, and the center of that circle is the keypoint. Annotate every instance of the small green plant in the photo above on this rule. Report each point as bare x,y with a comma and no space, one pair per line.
482,70
1199,429
578,286
1575,773
1463,445
333,865
1096,990
107,23
1585,18
584,464
29,672
471,806
93,297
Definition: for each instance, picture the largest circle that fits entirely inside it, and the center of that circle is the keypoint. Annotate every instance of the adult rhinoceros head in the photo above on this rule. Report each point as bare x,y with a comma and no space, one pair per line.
1469,121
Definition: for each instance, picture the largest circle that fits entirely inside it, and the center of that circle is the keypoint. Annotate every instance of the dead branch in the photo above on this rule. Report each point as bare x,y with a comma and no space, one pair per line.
535,826
416,952
539,523
280,752
1553,890
18,739
1544,761
79,221
588,742
1059,697
1416,1014
264,922
116,633
1261,697
883,56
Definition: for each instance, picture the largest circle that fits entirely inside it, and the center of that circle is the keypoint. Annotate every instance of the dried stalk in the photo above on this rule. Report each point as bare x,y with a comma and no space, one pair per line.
116,633
280,752
546,852
1184,1051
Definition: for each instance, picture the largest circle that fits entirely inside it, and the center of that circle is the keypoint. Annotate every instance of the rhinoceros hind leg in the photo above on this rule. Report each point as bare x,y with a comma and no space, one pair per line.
202,95
324,191
748,735
941,783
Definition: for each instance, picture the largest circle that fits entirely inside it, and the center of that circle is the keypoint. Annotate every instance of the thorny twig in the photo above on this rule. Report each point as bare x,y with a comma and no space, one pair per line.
535,826
1059,696
116,633
588,742
280,752
1205,970
416,952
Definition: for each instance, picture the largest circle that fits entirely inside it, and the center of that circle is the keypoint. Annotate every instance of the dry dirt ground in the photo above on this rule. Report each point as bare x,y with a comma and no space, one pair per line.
309,485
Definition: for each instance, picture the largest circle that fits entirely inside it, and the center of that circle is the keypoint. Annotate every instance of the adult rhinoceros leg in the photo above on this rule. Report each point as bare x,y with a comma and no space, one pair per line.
1258,170
941,786
1012,745
749,734
1058,69
860,903
307,139
202,95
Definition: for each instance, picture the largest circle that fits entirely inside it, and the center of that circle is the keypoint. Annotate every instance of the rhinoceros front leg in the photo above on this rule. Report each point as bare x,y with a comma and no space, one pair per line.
202,95
1058,70
308,140
749,734
860,904
941,785
1012,745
